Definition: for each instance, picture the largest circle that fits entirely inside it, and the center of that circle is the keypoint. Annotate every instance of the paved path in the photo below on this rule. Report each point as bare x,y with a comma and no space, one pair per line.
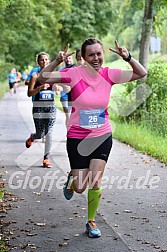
133,211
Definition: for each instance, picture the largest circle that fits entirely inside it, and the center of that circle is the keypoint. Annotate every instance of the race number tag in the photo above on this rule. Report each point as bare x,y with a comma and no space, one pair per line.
46,95
92,118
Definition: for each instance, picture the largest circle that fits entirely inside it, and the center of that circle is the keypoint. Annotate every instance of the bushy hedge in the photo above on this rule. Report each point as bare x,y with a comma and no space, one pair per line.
153,111
156,105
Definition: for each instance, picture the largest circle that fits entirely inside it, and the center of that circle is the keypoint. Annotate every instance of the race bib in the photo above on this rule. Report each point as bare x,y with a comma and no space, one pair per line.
92,118
46,95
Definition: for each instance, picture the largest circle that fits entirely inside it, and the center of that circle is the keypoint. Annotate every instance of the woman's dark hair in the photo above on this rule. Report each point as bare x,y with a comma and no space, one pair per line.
39,55
89,41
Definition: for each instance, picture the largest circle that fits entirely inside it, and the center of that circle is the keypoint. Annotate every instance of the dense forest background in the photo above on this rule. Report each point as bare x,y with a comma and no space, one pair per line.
28,27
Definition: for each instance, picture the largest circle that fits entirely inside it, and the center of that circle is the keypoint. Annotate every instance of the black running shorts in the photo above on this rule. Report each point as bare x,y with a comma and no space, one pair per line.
81,151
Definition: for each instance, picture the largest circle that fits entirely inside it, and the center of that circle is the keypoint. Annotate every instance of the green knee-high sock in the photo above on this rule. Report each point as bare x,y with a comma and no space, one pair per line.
72,185
93,202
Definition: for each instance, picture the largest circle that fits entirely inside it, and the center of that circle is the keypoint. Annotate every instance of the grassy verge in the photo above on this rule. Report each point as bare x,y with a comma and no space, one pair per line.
139,137
142,139
4,88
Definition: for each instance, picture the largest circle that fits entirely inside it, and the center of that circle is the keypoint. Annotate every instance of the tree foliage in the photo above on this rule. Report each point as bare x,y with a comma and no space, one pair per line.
27,27
129,23
86,19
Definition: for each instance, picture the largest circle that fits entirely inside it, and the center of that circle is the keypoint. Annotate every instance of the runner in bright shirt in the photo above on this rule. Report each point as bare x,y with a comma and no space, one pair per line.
78,57
89,135
12,81
44,109
26,82
65,94
18,78
34,70
24,76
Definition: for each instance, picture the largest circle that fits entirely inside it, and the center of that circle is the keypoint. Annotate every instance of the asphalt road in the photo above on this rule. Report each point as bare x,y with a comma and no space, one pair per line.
133,211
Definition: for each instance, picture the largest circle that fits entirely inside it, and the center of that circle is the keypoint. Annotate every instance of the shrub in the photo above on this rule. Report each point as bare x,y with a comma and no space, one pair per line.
153,112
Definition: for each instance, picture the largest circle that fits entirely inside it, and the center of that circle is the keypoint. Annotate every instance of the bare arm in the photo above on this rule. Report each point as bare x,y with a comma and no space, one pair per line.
48,74
138,70
31,91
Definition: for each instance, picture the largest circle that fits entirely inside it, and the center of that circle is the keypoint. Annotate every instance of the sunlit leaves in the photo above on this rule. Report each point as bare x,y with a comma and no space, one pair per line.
27,27
87,18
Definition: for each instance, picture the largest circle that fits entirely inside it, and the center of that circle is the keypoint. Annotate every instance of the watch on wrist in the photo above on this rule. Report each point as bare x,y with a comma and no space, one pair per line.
128,58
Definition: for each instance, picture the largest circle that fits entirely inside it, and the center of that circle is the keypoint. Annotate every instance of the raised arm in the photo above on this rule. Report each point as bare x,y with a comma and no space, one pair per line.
48,74
138,70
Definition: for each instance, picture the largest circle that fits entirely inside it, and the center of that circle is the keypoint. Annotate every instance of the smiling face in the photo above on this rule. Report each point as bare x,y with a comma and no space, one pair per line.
69,61
94,56
43,60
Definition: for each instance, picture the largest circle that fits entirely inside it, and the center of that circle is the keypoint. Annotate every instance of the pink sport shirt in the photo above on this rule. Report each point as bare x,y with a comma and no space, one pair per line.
90,92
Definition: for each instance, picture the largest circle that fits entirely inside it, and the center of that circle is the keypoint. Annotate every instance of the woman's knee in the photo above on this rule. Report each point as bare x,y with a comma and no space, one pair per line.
78,189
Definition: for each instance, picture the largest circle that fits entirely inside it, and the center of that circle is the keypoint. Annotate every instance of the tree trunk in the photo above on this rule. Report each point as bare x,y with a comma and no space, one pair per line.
146,32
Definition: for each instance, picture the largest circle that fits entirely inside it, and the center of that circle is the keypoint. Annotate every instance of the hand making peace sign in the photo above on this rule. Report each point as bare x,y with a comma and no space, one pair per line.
62,55
121,51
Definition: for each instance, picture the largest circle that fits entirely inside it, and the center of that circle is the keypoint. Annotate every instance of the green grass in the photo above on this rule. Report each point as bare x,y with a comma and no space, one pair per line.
139,137
117,64
3,247
157,57
1,196
4,88
142,139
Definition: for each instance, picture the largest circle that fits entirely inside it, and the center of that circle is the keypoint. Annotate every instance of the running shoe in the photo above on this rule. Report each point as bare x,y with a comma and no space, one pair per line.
92,230
46,163
68,192
29,141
